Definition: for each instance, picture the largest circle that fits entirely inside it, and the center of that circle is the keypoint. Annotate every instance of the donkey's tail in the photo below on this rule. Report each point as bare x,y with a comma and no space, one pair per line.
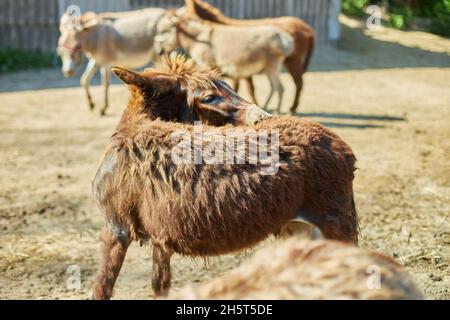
309,53
283,44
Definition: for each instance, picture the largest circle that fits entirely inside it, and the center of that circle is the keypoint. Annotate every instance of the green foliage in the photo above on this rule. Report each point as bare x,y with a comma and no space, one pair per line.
401,17
425,8
18,59
401,12
441,19
354,7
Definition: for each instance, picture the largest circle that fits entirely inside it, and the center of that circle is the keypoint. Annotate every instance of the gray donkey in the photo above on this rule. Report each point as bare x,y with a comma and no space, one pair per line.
107,39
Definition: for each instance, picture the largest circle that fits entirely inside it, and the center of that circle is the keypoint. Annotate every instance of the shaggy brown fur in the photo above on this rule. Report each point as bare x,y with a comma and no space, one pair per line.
303,34
296,269
203,209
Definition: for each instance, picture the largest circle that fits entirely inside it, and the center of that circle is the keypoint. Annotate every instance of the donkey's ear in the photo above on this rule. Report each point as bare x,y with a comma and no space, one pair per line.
128,76
88,20
161,82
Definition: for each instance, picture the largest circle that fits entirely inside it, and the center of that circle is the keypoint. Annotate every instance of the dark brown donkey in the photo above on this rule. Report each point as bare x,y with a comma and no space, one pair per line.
302,33
210,209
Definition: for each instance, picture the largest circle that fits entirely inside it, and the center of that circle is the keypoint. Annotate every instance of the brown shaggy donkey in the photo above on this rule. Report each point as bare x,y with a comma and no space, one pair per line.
296,64
210,209
299,269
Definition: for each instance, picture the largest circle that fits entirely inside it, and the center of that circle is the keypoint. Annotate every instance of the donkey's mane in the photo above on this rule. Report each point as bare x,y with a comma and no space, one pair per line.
196,76
192,77
205,11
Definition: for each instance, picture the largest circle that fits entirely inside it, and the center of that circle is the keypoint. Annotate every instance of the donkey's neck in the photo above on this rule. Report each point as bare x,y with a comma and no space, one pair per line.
134,112
90,42
189,36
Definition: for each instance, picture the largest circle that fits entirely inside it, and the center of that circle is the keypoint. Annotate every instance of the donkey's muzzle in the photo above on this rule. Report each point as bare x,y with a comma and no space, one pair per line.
256,114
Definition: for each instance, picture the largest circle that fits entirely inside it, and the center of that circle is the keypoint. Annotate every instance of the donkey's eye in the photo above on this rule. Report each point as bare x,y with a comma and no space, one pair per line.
211,99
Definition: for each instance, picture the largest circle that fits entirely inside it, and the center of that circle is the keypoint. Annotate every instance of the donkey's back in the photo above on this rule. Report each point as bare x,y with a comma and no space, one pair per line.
253,48
126,38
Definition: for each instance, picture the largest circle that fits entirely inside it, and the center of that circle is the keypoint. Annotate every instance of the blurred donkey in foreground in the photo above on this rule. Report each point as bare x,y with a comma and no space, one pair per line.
300,269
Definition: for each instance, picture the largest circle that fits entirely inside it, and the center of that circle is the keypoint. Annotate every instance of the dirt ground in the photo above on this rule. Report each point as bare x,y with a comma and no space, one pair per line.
387,93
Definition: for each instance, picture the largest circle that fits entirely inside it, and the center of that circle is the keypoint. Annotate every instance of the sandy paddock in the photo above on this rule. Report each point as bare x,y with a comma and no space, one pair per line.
387,93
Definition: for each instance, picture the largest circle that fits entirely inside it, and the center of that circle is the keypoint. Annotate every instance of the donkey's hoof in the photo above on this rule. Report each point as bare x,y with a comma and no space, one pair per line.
91,106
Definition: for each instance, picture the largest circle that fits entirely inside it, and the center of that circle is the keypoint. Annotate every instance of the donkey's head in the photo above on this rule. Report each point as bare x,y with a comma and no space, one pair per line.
180,91
176,32
70,44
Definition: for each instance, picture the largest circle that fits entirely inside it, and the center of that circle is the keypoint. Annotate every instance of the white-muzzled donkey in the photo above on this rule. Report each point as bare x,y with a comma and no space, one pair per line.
107,39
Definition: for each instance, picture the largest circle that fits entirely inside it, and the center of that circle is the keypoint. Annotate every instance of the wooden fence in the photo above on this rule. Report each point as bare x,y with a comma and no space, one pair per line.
33,24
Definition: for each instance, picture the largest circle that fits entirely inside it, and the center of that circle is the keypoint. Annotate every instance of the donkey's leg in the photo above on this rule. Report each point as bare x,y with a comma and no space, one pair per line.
251,89
114,246
272,85
298,91
273,72
86,78
280,90
106,76
161,270
296,68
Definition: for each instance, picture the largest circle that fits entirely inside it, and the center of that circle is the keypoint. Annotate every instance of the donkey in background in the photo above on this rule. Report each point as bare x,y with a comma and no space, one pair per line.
303,34
236,51
107,39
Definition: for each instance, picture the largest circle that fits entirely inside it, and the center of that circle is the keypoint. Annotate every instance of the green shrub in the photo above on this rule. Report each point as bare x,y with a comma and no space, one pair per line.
354,7
441,18
401,12
425,8
18,59
401,17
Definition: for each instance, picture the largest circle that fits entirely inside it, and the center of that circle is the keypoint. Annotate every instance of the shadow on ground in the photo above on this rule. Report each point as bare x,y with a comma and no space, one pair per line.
51,78
360,49
350,125
380,119
350,116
